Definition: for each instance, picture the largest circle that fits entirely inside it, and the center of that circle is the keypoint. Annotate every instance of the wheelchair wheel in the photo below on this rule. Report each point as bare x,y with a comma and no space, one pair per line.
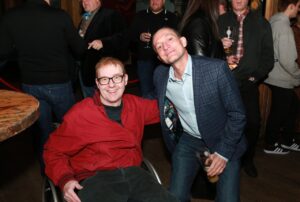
51,193
147,165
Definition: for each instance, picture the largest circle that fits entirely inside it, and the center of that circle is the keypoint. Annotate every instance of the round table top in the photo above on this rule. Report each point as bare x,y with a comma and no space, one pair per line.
18,111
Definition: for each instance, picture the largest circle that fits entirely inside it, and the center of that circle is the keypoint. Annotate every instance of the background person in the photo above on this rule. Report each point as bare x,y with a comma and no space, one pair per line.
296,31
43,38
282,80
254,57
199,26
146,23
103,29
222,7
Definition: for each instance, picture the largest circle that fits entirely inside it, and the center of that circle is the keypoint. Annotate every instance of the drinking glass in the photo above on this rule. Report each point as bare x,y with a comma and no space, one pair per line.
148,42
230,33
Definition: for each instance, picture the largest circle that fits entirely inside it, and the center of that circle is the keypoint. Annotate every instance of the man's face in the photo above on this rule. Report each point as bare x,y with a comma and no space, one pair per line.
239,5
156,5
169,47
111,93
90,5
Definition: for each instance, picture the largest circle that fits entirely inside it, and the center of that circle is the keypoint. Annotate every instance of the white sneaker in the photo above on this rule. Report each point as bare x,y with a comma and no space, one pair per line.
275,149
293,147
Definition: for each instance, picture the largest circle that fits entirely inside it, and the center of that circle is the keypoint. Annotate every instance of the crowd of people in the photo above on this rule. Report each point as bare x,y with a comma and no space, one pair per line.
199,76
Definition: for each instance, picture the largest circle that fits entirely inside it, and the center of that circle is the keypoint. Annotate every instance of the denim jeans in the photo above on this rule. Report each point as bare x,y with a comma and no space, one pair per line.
54,99
145,69
132,184
185,166
87,91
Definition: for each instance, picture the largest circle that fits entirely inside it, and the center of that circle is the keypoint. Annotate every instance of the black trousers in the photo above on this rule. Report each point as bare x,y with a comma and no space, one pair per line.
250,96
132,184
282,115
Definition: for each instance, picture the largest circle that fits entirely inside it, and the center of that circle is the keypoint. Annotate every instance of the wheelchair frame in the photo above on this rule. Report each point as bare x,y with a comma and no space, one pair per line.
52,193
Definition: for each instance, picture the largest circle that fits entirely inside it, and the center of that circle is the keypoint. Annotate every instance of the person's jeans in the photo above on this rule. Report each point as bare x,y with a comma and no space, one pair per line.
87,91
132,184
186,164
145,69
54,99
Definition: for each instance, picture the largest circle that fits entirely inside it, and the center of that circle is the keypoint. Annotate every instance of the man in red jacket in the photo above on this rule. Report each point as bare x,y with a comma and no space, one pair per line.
97,148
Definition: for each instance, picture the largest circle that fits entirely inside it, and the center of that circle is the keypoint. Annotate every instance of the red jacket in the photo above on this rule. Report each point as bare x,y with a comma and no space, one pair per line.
88,141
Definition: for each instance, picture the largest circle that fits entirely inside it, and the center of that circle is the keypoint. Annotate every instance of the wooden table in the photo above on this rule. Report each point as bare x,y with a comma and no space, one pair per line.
18,111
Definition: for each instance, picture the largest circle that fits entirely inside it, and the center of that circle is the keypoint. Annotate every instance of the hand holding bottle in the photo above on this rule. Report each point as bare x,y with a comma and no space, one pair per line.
213,164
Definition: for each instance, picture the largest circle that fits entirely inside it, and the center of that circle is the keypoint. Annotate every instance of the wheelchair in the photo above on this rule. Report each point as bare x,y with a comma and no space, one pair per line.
52,193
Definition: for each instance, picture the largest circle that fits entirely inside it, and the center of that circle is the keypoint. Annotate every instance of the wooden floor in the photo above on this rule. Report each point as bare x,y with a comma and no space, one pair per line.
278,181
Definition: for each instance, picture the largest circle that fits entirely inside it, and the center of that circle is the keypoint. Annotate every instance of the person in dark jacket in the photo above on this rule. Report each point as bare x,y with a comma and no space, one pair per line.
199,26
255,60
43,38
106,26
147,22
205,97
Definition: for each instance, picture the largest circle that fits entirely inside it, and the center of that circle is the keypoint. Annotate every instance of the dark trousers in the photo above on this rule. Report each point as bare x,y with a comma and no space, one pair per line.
132,184
250,96
282,115
145,69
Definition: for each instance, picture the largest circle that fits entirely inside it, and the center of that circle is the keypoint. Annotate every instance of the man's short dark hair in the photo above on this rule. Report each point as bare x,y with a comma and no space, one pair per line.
283,4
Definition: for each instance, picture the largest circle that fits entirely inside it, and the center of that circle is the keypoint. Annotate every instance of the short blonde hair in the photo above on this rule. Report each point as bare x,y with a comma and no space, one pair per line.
110,61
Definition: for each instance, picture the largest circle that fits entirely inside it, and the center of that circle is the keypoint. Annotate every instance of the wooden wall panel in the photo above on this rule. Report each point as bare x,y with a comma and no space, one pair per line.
271,8
73,7
265,93
264,104
7,4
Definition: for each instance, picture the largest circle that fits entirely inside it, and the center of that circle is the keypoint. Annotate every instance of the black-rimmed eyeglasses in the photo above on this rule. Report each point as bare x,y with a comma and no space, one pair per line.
115,79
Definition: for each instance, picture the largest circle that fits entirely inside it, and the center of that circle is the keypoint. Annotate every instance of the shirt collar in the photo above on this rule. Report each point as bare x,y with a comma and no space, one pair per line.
243,15
88,15
187,71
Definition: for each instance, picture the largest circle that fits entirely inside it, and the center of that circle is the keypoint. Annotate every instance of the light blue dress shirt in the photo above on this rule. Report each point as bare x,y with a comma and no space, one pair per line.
181,93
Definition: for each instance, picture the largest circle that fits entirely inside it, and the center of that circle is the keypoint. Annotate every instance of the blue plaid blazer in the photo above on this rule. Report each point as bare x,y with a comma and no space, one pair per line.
219,110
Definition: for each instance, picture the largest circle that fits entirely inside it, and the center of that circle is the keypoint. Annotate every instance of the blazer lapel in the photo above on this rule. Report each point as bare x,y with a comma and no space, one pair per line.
198,90
162,93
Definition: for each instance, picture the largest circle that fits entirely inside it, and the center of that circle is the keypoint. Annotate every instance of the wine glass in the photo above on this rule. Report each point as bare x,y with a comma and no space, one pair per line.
230,51
228,34
149,38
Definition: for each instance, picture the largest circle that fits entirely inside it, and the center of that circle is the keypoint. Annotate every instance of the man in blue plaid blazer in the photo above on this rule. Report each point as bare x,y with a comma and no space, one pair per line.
200,110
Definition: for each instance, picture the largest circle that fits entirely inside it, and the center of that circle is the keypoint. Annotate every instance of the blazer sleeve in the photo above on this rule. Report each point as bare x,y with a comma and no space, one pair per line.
235,113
